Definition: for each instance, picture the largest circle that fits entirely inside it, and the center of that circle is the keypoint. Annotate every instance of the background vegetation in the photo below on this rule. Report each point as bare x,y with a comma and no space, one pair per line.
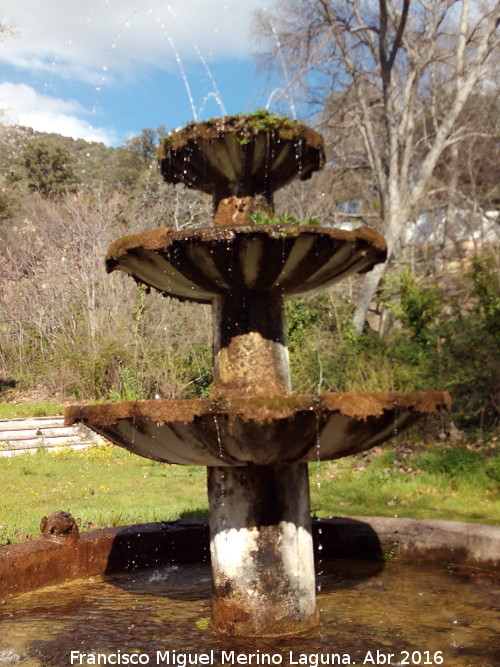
452,483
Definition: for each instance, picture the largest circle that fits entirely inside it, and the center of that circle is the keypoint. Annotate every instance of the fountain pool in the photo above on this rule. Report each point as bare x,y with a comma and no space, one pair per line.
421,614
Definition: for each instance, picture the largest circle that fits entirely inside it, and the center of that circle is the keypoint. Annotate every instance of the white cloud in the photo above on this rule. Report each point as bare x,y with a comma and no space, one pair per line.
86,46
22,105
78,39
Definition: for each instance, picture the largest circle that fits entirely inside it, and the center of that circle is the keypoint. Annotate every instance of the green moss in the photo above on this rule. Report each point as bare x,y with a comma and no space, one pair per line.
284,219
121,244
244,126
248,125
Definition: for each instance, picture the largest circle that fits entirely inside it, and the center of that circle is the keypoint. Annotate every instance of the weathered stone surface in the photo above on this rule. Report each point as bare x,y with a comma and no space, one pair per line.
236,211
250,352
30,565
204,264
58,523
261,430
261,549
433,540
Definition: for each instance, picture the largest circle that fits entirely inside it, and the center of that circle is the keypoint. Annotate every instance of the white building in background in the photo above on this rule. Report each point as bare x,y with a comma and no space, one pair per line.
467,230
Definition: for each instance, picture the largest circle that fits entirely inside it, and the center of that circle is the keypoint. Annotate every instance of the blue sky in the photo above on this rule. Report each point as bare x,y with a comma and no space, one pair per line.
104,69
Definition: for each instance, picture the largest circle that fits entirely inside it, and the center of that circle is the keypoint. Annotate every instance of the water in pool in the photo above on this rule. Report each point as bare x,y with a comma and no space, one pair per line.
371,614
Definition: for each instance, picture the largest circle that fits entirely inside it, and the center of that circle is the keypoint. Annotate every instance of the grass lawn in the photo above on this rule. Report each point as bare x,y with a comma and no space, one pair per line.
106,485
10,410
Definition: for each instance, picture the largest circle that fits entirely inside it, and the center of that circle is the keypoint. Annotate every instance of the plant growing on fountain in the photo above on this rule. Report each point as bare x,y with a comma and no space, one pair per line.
255,438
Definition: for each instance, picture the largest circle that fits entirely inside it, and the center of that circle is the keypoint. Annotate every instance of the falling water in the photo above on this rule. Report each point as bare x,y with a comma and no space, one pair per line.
222,473
276,93
215,93
184,77
219,440
395,431
149,12
319,572
216,97
396,416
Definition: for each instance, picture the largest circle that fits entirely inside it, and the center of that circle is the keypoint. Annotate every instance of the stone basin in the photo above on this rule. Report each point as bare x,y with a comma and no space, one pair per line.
201,264
236,156
261,431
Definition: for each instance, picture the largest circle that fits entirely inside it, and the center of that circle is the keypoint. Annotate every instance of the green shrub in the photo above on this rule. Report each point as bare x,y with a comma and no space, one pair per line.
130,386
417,306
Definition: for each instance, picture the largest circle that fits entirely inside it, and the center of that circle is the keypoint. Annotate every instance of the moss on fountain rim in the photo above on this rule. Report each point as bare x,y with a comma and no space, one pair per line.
244,126
260,430
162,238
201,264
262,409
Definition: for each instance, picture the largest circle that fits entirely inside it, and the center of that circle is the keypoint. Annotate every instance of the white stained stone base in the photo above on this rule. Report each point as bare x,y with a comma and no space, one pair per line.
261,550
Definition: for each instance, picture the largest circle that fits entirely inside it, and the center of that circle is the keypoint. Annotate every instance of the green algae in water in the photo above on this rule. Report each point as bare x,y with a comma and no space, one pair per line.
419,611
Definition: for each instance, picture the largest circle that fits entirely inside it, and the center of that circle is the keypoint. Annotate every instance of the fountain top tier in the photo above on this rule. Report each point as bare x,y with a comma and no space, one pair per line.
241,161
253,153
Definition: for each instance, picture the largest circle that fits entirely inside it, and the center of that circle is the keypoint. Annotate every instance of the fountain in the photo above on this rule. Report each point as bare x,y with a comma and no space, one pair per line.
255,437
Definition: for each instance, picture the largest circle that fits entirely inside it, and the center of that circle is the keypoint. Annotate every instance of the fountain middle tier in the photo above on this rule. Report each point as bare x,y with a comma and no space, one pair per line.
258,430
203,264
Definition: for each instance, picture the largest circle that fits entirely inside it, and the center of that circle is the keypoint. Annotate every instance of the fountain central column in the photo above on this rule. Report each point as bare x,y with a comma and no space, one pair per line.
260,529
250,352
261,549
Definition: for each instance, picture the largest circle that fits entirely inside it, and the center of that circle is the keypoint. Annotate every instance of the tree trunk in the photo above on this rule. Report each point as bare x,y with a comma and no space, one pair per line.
370,285
393,231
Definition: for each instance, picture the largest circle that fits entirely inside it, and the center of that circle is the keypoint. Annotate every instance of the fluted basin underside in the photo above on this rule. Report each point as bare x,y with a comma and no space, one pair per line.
234,156
262,431
202,264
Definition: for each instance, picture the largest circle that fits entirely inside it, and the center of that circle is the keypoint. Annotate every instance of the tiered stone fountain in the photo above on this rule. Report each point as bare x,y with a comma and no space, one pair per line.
254,436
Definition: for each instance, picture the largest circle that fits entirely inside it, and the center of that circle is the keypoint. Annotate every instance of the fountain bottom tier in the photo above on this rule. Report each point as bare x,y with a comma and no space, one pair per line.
260,430
257,450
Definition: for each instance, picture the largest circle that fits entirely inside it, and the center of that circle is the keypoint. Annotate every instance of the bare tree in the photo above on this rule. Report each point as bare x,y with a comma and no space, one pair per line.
68,326
392,79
